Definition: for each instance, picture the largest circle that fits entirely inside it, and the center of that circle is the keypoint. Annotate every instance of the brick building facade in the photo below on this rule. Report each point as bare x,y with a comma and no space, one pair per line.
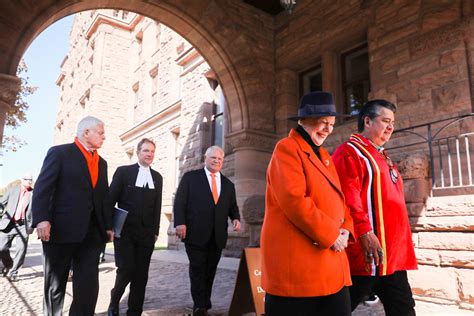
416,53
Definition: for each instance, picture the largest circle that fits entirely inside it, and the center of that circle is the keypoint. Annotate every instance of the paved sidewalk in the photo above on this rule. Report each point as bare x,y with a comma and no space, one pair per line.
167,291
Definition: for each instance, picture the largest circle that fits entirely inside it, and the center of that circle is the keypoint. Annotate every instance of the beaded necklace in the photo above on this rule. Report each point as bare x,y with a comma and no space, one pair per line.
393,173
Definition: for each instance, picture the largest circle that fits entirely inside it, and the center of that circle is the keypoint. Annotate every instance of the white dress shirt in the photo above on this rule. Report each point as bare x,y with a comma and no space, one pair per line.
144,177
84,145
218,180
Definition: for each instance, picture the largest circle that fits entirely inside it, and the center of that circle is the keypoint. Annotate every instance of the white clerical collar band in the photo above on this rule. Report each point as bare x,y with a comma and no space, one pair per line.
144,178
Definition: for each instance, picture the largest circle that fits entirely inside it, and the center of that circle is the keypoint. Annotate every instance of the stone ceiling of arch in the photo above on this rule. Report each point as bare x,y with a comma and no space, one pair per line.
225,39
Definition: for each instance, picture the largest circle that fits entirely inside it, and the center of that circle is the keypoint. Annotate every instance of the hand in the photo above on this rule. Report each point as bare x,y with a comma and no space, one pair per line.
371,246
341,242
43,230
110,235
236,224
181,231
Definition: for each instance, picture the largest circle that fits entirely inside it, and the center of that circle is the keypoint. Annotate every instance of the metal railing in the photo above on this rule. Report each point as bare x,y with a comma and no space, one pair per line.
450,149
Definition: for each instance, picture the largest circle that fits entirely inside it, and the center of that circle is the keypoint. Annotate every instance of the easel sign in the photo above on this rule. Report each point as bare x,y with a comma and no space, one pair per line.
248,293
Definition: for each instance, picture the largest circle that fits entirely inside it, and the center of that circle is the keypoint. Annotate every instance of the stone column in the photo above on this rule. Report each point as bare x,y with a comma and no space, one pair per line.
9,88
286,99
251,151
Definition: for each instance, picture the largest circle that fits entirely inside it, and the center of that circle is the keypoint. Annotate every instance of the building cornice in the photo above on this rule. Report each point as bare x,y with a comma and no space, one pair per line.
189,60
152,122
250,139
117,23
187,56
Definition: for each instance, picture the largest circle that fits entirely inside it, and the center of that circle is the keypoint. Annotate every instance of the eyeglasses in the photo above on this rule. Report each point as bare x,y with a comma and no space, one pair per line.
27,179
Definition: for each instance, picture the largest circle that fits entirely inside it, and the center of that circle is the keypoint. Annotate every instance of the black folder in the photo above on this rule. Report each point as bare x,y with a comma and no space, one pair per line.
118,219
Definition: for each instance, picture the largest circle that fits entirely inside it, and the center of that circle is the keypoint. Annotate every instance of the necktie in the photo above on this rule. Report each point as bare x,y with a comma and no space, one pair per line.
20,209
215,195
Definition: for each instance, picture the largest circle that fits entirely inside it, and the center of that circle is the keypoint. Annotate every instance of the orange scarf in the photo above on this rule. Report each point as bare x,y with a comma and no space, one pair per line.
92,161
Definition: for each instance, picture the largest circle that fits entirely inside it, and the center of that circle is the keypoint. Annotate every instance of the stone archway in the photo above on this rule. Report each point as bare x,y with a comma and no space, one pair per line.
225,44
226,33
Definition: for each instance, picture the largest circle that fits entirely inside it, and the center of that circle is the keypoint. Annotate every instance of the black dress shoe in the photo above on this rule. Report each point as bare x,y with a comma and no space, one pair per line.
200,312
5,272
7,265
112,311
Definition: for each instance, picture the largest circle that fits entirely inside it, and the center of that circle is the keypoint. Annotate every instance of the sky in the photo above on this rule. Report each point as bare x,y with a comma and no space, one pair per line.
43,58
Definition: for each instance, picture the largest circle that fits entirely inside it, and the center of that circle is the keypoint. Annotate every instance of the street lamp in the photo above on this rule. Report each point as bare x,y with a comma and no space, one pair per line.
288,5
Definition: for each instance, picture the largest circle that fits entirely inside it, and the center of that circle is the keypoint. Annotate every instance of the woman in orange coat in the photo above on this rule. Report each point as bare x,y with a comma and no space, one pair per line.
307,225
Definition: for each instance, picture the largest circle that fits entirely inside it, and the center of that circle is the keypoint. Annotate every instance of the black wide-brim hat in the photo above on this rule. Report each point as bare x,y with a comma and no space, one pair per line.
316,104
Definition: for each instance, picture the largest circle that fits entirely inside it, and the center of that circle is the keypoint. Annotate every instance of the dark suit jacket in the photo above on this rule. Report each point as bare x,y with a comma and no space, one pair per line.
143,205
9,203
64,195
195,208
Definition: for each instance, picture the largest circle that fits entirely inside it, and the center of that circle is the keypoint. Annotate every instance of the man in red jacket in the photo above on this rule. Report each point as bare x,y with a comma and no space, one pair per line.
373,189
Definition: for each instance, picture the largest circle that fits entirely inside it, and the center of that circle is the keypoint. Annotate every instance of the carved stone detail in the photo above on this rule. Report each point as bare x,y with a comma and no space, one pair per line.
9,88
250,139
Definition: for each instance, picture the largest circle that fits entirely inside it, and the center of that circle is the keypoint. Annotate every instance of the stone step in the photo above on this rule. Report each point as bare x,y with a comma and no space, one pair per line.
457,205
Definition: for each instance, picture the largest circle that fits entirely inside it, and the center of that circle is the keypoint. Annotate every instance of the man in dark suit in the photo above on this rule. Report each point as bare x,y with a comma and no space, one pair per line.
15,224
137,189
71,220
204,200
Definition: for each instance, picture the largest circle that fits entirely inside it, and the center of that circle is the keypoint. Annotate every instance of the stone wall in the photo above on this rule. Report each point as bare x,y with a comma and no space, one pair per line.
444,244
443,238
419,55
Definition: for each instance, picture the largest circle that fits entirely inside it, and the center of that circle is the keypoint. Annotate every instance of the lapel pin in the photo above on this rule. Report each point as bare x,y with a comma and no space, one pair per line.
326,162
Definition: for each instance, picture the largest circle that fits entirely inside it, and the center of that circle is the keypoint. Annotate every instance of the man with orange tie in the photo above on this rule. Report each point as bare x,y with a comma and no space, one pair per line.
204,200
15,224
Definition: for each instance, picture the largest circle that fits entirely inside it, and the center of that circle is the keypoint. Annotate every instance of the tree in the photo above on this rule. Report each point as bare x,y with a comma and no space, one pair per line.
17,113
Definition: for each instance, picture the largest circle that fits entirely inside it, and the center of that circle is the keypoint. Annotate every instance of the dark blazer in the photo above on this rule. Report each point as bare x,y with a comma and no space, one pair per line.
64,195
195,208
143,205
9,203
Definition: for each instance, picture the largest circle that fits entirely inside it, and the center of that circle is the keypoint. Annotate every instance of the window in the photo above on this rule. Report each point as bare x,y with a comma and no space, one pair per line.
355,78
217,120
136,112
311,80
154,96
177,153
154,88
139,40
157,36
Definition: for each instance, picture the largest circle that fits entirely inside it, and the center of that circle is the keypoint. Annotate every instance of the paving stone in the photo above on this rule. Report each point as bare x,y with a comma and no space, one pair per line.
167,293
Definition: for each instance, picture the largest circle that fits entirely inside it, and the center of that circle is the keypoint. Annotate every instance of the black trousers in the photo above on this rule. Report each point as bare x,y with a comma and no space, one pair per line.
13,232
203,261
337,304
393,290
84,258
132,257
